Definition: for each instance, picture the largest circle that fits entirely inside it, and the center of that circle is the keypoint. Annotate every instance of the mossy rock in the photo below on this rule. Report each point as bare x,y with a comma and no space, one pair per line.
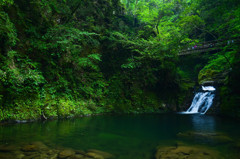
186,152
105,155
34,146
29,148
214,138
94,155
206,75
66,153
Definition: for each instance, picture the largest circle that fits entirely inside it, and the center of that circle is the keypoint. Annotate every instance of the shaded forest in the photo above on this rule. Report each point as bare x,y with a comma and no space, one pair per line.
62,58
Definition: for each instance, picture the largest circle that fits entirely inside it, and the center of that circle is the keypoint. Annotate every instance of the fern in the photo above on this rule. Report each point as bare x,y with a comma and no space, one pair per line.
7,29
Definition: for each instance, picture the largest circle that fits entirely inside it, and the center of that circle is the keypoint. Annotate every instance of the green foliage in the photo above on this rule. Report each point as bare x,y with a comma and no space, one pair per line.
145,66
191,23
216,67
229,102
67,58
231,25
7,29
5,2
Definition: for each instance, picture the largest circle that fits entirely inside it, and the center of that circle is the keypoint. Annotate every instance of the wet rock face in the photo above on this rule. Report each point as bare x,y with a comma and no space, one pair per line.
185,152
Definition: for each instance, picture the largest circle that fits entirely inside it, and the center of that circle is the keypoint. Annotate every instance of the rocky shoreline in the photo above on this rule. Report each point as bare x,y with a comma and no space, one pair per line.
38,150
46,119
186,152
181,150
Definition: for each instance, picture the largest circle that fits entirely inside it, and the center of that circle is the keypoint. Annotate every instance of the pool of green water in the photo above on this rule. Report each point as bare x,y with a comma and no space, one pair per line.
129,136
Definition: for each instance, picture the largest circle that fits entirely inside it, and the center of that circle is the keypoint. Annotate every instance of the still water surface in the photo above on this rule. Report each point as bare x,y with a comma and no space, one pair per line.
129,136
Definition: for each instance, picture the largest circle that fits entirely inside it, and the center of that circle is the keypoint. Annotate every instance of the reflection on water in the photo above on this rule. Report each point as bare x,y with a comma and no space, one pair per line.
203,123
124,136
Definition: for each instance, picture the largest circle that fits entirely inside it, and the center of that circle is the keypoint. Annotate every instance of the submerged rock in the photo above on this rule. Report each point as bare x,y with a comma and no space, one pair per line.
40,145
54,156
6,156
81,152
38,150
35,146
217,138
29,148
66,153
94,155
18,154
186,152
7,148
105,155
79,156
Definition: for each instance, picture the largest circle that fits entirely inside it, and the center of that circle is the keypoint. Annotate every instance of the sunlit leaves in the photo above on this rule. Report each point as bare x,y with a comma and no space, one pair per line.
5,2
190,23
231,25
70,40
90,61
96,57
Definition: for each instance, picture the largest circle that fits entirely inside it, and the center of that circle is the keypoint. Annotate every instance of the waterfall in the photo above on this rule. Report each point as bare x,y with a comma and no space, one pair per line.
202,101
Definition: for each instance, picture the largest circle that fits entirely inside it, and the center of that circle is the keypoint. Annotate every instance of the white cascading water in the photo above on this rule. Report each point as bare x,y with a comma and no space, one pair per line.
202,101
